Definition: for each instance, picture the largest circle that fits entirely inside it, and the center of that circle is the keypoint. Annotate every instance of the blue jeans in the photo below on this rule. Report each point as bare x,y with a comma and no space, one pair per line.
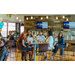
3,54
25,49
59,46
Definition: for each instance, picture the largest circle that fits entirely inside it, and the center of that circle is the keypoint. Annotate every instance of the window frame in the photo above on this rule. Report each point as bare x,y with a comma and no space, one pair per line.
7,28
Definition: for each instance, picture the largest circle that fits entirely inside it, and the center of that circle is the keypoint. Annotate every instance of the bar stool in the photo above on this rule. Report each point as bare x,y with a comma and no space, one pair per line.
61,49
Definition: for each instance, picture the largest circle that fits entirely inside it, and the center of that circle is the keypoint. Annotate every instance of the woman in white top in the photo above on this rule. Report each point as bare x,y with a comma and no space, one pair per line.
30,40
49,39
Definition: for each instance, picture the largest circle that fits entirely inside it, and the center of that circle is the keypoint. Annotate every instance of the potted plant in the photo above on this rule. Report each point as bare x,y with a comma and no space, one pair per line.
16,34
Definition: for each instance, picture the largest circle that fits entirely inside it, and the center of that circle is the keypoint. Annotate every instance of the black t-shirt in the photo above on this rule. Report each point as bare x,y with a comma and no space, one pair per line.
11,37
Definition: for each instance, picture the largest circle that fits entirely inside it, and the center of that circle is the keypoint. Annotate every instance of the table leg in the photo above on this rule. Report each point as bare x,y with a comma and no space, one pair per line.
34,52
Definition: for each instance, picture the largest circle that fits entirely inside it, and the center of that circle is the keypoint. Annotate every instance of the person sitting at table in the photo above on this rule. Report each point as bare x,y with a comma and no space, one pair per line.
3,50
49,39
30,40
28,35
61,44
25,47
11,37
28,32
40,37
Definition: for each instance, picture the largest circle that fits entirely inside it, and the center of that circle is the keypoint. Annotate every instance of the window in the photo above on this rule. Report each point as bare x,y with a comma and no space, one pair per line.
22,29
4,30
11,27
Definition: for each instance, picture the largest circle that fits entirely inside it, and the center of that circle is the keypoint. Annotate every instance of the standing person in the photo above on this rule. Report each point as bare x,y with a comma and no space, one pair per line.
3,50
60,44
25,47
49,40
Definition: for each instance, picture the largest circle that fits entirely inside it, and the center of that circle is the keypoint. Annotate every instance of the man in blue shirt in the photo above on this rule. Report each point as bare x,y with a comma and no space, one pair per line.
40,37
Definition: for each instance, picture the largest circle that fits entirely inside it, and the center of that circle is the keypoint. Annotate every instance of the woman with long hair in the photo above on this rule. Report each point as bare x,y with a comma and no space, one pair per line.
61,44
49,40
30,37
25,47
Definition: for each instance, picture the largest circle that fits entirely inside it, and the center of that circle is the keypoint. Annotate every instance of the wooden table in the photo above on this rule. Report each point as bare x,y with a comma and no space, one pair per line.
34,44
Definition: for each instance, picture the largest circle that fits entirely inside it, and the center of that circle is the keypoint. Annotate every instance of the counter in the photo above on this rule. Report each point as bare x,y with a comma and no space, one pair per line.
70,47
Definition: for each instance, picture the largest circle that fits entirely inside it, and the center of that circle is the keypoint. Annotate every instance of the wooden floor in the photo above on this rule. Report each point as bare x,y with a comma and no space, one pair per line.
15,55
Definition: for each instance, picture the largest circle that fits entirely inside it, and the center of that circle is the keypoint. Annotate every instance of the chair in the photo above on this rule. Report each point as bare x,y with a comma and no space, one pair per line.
19,48
42,48
10,44
61,49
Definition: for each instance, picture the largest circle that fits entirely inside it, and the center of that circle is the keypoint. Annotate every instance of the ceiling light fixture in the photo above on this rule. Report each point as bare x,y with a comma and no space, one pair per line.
16,17
1,19
31,17
27,18
46,17
41,18
63,16
56,17
20,20
67,19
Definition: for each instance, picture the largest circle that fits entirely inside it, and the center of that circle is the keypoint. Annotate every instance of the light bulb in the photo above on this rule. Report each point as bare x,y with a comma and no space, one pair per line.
31,17
16,17
27,18
1,19
56,17
41,18
67,19
20,20
46,17
63,16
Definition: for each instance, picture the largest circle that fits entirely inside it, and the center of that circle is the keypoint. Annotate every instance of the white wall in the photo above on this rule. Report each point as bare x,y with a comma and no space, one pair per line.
5,17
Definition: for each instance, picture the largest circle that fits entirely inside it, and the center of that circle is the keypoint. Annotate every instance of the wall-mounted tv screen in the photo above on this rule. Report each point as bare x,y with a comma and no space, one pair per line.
41,25
68,25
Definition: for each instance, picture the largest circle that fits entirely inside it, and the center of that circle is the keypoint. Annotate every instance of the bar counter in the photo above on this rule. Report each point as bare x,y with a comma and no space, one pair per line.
70,46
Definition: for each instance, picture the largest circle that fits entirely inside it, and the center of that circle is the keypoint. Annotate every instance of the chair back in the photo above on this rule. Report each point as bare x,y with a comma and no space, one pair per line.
19,46
43,47
10,43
